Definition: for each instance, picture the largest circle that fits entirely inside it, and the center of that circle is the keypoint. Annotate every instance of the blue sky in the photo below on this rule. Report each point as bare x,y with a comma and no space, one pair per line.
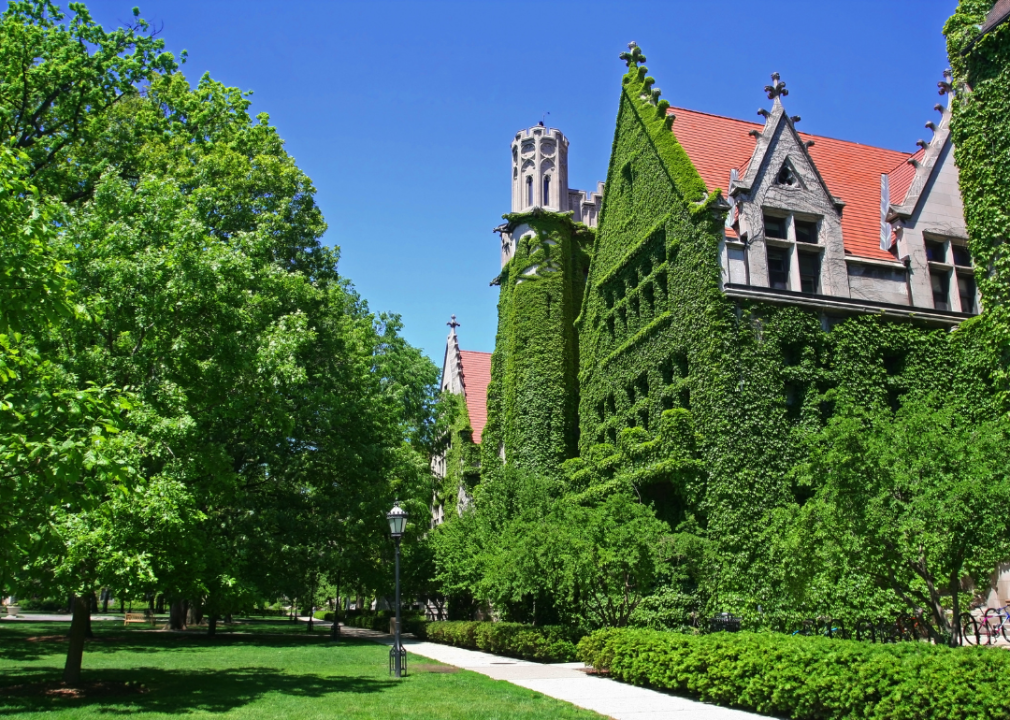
402,112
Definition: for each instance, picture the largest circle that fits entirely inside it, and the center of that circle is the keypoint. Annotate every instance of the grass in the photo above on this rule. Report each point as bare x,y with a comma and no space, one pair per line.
266,669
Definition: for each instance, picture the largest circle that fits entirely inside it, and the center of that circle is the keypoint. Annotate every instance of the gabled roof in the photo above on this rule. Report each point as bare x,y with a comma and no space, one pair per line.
476,377
717,145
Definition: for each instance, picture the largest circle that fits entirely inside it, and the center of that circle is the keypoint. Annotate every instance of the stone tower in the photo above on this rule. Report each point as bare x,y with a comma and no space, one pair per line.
545,246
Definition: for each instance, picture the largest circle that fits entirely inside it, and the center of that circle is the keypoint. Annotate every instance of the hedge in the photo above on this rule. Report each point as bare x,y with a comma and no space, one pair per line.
810,677
415,624
547,643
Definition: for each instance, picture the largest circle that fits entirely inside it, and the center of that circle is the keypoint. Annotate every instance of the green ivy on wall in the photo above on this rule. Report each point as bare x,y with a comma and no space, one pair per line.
533,394
701,401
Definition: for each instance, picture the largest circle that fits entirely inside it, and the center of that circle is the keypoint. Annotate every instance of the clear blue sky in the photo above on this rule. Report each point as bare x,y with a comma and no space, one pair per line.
402,112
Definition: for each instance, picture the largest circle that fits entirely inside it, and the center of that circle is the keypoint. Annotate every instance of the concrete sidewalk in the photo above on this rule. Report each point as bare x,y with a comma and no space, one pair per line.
568,682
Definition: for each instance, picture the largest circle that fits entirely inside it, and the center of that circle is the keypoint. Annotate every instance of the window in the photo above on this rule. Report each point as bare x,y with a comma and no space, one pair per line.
775,227
529,192
786,176
961,255
941,290
877,272
810,272
547,190
935,251
806,231
966,289
778,268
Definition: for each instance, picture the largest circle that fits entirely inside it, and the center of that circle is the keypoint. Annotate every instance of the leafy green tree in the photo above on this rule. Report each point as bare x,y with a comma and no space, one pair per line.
917,498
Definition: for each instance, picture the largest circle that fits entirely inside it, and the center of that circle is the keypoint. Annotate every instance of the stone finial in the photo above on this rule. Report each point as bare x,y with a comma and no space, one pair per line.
453,324
634,55
938,107
930,125
922,143
945,84
764,113
795,119
777,88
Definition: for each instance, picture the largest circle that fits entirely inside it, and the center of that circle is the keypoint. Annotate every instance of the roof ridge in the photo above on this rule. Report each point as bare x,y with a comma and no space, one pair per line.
809,135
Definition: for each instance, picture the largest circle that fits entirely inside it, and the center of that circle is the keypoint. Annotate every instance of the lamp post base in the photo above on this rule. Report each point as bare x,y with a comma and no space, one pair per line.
402,664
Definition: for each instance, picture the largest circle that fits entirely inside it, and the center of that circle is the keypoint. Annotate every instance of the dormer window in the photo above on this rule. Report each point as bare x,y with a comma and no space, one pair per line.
529,191
786,176
547,190
775,227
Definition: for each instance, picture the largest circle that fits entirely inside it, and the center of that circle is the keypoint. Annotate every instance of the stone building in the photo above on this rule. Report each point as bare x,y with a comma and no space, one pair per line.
665,303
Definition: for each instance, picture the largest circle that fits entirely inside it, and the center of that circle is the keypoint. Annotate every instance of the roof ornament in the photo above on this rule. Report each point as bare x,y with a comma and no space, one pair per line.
634,55
453,324
777,88
945,84
922,143
764,113
938,107
795,118
930,125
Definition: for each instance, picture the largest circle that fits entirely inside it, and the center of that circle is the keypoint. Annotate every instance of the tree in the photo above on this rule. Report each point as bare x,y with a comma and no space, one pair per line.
922,493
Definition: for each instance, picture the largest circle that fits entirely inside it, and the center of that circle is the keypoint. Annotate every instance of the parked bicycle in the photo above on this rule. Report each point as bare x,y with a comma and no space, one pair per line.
995,625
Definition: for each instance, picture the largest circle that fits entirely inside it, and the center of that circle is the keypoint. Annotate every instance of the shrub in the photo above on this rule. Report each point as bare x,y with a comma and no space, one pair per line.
810,677
413,623
548,643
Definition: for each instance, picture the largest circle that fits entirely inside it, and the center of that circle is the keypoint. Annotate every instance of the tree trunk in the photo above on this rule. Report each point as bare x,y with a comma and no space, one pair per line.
160,607
105,601
75,649
212,624
955,635
177,615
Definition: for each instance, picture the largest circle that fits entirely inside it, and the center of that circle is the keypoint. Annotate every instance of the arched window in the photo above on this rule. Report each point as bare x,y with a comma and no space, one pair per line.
529,191
547,190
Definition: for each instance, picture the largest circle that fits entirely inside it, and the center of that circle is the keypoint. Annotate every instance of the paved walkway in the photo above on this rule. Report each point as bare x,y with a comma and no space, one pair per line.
568,682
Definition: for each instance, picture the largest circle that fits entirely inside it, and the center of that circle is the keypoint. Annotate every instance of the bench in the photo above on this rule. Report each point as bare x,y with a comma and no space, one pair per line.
134,617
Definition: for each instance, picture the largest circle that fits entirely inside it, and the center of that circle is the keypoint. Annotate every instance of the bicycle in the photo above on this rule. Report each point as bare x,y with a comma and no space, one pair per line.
970,629
996,623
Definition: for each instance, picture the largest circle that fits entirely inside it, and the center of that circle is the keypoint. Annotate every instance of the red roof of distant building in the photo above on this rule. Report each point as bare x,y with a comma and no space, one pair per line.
476,377
851,171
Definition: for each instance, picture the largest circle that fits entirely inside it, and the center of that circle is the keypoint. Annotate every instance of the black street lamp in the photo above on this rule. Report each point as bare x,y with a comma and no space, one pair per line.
397,518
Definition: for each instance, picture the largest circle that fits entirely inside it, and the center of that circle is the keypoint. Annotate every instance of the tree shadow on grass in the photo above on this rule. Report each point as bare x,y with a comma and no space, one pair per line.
29,646
184,691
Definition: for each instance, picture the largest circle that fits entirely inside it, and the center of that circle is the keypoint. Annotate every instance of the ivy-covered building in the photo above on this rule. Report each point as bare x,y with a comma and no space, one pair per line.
736,284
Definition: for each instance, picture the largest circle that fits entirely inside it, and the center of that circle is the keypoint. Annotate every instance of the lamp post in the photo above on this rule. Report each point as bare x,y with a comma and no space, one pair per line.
397,518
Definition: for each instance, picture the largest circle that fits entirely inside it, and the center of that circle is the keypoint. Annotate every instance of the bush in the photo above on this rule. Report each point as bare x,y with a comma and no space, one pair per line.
810,677
414,623
548,643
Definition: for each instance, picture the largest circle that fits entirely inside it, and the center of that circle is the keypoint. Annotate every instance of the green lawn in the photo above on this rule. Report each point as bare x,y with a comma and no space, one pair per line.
261,670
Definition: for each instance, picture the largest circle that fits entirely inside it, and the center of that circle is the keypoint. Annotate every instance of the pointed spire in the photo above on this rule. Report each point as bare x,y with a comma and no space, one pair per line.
777,88
453,324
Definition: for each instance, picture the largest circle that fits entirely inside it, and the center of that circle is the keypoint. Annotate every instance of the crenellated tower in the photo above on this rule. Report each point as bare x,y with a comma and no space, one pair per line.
545,248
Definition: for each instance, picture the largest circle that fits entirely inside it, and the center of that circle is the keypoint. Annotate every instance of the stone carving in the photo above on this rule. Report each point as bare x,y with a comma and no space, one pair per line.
777,88
634,55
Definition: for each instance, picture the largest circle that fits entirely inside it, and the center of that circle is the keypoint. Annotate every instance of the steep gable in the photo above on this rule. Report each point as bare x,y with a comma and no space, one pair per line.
718,145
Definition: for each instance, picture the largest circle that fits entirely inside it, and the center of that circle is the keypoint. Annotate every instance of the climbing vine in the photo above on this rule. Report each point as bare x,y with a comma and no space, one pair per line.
533,394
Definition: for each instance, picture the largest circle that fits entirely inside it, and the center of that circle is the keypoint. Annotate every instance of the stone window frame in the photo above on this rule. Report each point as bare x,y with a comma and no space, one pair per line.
950,269
795,246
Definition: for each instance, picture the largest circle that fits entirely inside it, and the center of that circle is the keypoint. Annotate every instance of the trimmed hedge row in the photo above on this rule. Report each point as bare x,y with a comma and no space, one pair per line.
548,643
413,624
811,678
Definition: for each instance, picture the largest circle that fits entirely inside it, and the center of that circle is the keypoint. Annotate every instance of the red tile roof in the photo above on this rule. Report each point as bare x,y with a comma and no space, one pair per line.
851,171
476,376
